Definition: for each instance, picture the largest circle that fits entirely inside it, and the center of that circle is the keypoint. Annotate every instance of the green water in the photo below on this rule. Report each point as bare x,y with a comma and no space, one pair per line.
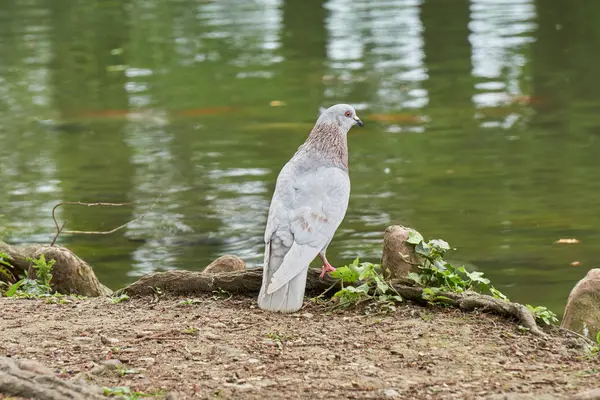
482,127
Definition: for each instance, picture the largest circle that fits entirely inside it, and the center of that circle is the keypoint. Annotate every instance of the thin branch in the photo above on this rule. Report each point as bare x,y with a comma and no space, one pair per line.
60,230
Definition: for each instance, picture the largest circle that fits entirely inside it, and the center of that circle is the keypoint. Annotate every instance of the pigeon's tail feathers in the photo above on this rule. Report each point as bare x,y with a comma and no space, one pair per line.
284,279
296,260
288,298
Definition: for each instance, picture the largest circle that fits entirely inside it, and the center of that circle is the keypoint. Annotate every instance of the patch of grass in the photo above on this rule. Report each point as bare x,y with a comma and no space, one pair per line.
190,331
221,294
189,302
125,393
119,299
122,371
277,338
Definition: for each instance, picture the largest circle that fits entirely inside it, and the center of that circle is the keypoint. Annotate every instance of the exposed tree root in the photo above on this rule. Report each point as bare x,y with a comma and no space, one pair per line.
70,274
249,282
29,379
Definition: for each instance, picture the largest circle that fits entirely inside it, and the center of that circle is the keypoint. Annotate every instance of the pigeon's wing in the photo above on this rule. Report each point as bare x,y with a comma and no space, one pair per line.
312,208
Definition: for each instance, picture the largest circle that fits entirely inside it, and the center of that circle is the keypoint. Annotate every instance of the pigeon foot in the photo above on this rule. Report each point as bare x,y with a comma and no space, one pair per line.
326,267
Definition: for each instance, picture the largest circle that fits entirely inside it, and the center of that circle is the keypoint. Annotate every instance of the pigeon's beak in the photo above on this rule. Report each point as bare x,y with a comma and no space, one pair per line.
358,121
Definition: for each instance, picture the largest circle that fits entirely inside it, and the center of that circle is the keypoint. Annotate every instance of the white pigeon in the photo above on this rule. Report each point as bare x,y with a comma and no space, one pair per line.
309,203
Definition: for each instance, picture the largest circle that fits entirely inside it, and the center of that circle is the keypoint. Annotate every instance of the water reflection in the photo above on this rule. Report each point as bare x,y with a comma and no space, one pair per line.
169,105
502,33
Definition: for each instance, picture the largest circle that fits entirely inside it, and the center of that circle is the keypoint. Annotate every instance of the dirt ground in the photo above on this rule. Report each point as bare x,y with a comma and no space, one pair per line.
230,349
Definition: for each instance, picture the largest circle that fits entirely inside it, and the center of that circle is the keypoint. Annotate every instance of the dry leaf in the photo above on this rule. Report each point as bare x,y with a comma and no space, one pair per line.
575,264
277,103
567,241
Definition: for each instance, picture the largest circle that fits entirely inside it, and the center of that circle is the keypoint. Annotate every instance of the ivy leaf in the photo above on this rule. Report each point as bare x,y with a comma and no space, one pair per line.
415,277
366,271
414,237
346,274
475,276
382,287
498,294
423,249
364,288
440,245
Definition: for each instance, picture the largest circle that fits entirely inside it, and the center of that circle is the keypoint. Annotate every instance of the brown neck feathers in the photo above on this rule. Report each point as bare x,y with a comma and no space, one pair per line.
327,140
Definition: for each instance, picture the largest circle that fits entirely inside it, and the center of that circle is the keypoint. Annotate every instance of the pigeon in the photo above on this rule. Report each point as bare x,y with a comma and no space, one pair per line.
309,203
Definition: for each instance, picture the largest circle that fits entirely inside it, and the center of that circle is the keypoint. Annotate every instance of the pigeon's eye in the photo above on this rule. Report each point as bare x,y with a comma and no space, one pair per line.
348,114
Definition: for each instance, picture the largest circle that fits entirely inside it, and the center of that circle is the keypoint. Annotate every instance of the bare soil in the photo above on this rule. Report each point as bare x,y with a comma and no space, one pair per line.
231,349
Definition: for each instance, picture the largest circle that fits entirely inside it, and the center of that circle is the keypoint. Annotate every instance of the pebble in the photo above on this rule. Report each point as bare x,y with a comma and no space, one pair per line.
391,393
588,395
108,341
113,362
238,386
211,336
83,339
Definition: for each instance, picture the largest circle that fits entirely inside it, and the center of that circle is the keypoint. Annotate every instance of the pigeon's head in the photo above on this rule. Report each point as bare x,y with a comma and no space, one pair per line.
343,115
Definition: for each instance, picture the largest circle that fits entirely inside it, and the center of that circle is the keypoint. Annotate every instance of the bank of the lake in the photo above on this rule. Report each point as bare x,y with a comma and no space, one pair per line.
210,348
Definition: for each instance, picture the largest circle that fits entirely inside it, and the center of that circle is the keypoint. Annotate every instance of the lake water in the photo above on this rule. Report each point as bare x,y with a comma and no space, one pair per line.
482,128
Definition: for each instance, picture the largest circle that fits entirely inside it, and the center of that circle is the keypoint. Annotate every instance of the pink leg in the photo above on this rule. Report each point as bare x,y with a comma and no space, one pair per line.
326,266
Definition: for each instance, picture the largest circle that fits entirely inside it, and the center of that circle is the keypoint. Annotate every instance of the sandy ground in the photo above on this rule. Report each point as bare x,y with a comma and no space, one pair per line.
230,349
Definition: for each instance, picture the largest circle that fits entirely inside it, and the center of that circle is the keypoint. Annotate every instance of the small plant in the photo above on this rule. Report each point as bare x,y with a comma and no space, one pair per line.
277,338
190,331
119,299
122,371
6,273
34,288
594,350
125,393
221,294
373,287
438,275
542,313
189,302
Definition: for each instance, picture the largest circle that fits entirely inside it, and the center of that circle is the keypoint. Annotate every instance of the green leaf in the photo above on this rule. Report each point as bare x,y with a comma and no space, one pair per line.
423,249
443,266
415,277
598,337
498,294
12,290
475,276
414,237
346,274
367,271
440,245
364,288
382,287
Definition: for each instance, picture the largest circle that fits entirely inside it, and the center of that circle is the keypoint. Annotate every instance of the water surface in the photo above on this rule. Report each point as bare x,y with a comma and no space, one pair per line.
482,127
